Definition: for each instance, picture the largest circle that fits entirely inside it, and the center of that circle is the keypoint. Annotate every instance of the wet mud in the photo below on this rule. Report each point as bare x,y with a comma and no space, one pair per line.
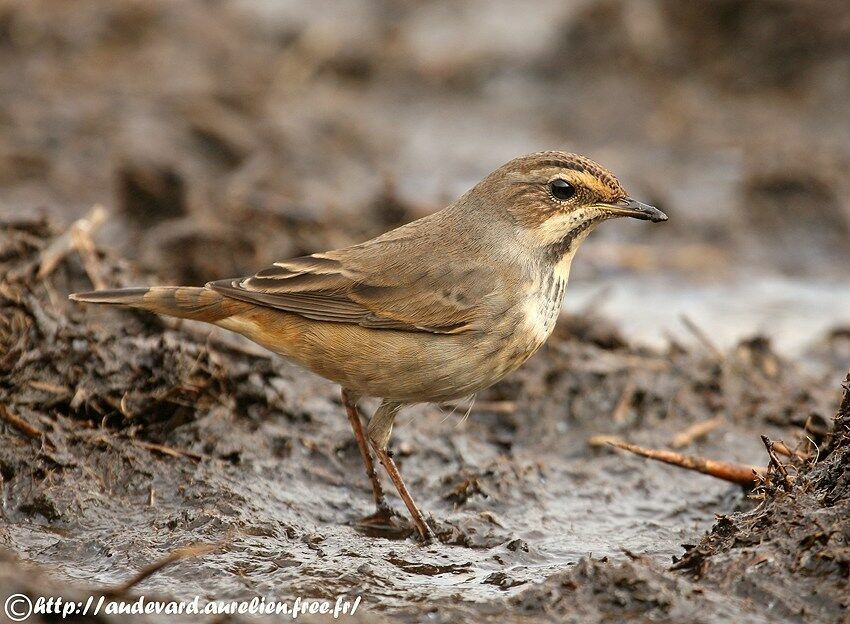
125,438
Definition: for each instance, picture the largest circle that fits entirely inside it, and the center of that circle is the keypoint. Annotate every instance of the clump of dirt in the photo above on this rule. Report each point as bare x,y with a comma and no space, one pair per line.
126,436
598,590
799,530
132,376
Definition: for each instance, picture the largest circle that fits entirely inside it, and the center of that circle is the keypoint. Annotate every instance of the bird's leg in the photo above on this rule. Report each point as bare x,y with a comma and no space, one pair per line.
383,512
380,427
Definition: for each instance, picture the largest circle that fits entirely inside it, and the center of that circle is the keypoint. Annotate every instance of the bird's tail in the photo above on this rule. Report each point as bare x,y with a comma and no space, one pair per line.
201,304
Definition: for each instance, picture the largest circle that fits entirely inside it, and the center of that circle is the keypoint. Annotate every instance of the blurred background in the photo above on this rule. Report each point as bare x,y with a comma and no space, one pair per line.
224,135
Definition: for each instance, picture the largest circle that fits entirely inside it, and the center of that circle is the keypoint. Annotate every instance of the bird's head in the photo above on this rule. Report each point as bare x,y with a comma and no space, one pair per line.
556,196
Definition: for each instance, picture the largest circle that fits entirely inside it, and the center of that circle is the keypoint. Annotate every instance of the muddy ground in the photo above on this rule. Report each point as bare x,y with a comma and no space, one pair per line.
222,136
124,439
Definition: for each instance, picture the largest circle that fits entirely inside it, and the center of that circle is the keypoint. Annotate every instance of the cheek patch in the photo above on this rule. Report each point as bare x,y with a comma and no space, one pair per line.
559,224
554,228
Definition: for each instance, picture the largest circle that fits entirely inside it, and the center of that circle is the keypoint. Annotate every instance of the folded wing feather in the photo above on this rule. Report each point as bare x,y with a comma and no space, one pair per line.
350,286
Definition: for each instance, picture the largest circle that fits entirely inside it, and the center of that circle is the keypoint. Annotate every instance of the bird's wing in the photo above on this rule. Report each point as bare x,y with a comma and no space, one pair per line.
382,285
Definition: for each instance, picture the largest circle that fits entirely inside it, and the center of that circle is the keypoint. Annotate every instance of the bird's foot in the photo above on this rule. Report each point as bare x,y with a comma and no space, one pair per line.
426,535
388,523
385,522
384,517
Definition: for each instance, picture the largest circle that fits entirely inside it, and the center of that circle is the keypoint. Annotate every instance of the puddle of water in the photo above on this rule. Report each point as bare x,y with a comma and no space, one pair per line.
792,312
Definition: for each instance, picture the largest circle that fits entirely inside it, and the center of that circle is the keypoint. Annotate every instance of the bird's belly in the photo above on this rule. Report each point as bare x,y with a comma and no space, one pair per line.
417,368
412,367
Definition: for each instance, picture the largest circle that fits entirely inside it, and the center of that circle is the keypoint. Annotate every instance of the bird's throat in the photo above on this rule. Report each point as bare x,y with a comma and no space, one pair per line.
560,255
562,267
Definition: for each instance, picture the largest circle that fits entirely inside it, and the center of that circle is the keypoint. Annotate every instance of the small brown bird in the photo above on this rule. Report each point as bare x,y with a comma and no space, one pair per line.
434,310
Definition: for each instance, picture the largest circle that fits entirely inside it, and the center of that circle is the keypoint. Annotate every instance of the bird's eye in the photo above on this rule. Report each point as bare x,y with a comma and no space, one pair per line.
561,189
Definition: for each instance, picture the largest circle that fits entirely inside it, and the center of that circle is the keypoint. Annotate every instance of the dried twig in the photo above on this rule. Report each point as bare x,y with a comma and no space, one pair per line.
775,463
495,407
604,439
20,424
193,550
703,338
66,242
695,432
742,474
88,253
625,402
170,450
49,387
782,449
607,363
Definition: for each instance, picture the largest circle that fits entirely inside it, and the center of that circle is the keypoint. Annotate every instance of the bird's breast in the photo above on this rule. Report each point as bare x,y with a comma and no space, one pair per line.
529,324
543,307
